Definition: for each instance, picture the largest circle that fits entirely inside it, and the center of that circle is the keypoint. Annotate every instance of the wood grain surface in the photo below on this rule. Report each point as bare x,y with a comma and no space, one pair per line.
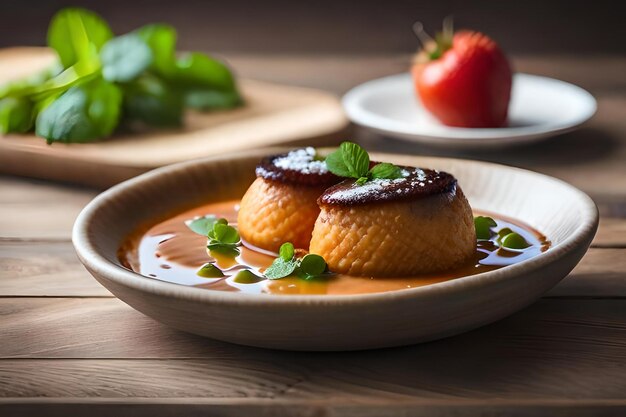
68,347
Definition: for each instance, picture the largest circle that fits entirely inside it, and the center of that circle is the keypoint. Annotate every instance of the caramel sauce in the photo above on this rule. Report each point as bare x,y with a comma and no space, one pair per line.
170,252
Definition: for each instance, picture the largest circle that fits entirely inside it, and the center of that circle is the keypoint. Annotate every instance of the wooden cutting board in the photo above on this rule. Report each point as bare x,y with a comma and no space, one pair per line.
274,114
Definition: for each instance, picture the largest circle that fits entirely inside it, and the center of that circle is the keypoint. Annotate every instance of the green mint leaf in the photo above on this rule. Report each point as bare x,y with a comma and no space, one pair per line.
361,180
483,226
385,170
312,265
335,164
82,114
16,115
210,271
206,99
25,86
281,268
77,34
223,233
162,41
207,83
151,101
245,276
514,241
503,232
79,73
125,57
356,159
197,70
350,161
286,251
202,225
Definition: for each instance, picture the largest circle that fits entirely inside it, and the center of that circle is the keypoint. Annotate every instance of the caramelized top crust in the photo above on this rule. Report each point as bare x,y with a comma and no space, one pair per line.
298,167
415,183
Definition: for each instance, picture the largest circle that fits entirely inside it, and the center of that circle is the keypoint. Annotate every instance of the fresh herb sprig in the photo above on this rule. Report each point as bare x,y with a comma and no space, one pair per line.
308,267
221,236
352,161
101,82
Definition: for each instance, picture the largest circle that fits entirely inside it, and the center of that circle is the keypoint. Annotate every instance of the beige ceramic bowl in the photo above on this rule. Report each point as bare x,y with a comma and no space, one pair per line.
564,214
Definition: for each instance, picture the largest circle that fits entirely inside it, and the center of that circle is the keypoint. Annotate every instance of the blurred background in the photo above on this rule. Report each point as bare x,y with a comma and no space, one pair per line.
335,45
331,26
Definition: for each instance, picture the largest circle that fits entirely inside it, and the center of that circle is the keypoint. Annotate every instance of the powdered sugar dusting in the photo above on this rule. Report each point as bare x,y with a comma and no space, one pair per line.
355,191
415,182
301,160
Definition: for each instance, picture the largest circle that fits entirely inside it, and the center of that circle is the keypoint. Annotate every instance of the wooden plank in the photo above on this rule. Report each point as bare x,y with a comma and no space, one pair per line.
52,269
44,269
39,210
370,407
611,233
601,273
140,378
107,328
556,349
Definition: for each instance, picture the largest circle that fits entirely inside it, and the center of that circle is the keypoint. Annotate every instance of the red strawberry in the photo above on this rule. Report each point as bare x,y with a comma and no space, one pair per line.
463,79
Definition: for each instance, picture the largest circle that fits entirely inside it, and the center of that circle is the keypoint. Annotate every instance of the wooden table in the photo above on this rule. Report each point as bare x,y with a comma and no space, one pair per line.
68,347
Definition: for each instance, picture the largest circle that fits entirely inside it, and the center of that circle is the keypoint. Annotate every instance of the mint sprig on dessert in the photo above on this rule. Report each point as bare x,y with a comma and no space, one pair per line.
352,161
307,267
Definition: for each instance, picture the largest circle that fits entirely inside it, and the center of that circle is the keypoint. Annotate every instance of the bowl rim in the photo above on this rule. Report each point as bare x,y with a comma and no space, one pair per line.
84,244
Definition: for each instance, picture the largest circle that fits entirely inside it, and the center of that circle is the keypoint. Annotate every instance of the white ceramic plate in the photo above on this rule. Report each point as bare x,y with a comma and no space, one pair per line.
540,107
564,214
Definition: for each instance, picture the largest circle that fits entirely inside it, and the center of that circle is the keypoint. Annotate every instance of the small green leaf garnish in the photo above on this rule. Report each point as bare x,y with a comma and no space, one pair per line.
223,238
503,232
386,170
483,225
202,225
286,251
210,271
287,264
245,276
514,241
356,159
335,164
352,161
223,233
281,268
312,265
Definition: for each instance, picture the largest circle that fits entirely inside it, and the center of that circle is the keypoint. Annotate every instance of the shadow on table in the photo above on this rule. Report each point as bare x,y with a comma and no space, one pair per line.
553,348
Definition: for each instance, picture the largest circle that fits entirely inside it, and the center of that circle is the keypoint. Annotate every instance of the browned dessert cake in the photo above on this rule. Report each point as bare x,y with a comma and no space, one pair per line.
418,223
281,204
